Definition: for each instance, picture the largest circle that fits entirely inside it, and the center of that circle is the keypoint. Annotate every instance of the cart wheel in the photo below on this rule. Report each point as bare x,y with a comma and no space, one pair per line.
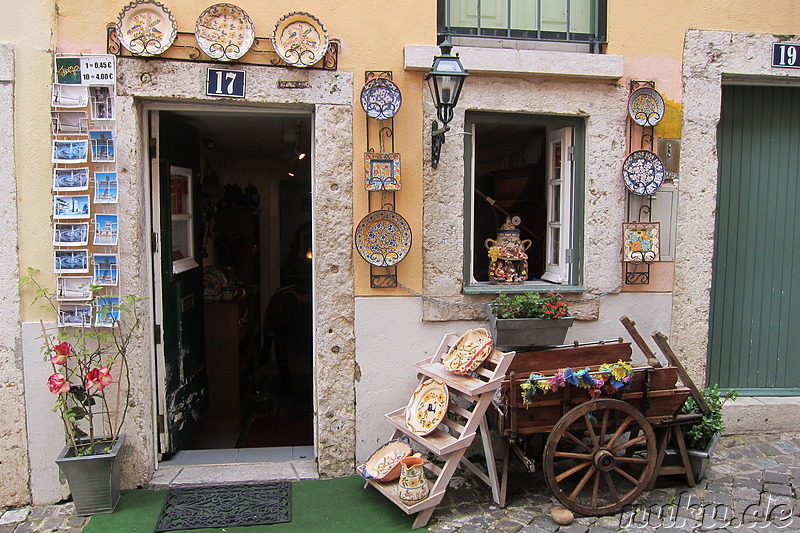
599,457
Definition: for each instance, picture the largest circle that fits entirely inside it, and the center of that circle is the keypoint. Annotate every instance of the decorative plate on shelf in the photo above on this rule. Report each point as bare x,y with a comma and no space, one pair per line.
300,39
146,27
643,172
384,463
645,106
224,32
383,238
468,352
381,98
427,406
214,282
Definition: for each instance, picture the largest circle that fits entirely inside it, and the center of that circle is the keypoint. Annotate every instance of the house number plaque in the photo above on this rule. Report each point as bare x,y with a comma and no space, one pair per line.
224,82
786,55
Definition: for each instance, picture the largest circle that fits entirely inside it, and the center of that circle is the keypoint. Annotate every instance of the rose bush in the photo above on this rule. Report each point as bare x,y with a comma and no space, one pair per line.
91,374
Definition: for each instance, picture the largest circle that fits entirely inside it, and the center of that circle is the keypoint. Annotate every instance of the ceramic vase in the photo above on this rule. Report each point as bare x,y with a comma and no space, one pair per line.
412,486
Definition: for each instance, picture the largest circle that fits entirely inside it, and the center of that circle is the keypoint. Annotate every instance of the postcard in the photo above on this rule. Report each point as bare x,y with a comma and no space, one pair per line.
70,179
70,206
74,315
71,262
107,312
74,151
71,234
102,146
105,269
105,230
74,288
105,187
70,96
102,103
70,123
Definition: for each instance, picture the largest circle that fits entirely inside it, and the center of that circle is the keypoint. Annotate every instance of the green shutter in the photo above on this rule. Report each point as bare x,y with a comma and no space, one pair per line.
755,298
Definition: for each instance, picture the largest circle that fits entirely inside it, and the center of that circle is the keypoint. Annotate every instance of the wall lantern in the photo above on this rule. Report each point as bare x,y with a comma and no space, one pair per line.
445,81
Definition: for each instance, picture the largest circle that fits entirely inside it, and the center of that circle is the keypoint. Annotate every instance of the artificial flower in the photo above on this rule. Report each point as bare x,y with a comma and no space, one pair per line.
99,378
494,253
58,384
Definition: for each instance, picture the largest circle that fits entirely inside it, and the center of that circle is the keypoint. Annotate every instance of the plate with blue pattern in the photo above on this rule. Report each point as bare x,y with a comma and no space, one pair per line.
643,172
383,238
381,98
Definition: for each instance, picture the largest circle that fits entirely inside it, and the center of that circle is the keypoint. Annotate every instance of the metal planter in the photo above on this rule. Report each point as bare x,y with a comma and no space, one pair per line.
93,479
700,458
525,332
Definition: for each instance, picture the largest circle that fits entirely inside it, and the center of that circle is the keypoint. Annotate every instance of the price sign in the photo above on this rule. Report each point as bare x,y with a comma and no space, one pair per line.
225,83
786,55
86,70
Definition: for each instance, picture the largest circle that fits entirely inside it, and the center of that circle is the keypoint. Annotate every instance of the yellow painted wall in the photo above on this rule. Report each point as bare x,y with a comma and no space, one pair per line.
30,30
372,34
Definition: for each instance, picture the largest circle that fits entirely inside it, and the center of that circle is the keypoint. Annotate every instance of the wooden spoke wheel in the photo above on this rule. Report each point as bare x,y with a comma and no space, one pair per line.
599,457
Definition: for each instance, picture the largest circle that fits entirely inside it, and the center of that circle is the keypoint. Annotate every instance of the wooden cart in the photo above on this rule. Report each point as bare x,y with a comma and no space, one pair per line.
599,454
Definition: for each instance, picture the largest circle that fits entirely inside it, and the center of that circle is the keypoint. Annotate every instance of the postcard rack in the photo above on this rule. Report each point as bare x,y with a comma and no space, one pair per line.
470,397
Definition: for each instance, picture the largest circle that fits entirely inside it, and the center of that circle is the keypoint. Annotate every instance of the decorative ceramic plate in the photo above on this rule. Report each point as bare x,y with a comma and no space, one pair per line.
646,106
146,27
213,283
427,406
224,32
643,172
382,171
468,352
384,463
640,242
300,39
383,238
381,98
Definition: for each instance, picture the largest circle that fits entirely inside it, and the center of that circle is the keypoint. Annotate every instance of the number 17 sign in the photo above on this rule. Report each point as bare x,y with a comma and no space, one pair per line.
221,82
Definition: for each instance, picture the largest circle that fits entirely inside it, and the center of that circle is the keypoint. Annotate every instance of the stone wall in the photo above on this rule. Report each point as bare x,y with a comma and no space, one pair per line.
13,445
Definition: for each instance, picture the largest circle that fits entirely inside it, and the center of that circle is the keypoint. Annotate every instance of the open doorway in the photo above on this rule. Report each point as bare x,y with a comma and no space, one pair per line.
232,206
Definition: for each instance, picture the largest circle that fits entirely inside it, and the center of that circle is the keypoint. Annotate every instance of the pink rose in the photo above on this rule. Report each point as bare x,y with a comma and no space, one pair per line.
58,384
98,377
61,353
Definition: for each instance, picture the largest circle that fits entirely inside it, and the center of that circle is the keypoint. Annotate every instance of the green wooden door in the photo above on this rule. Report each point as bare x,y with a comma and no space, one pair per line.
183,391
755,297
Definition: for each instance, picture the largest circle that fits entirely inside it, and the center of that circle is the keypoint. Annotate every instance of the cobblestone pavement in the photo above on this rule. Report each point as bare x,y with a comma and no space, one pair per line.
749,485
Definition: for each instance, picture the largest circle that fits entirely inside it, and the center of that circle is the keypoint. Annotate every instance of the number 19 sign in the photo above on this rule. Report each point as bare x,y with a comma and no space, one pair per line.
786,55
225,83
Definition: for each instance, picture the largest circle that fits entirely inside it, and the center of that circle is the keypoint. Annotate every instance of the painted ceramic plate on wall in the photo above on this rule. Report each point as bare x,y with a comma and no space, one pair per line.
427,406
224,32
645,106
383,238
643,172
382,171
381,98
468,352
640,242
300,39
146,27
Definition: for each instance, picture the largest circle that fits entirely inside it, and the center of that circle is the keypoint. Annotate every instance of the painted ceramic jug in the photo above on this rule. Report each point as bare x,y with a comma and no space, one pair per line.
412,486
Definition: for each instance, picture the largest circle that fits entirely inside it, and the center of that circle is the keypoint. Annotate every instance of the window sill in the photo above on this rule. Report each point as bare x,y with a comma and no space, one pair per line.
488,288
478,60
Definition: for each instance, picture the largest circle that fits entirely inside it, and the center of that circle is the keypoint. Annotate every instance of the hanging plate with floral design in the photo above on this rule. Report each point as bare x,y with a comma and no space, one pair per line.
146,28
645,106
381,98
300,39
383,238
427,406
224,32
643,172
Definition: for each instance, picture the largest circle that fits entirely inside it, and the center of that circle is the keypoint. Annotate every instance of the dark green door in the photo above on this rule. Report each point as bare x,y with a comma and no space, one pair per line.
179,280
755,295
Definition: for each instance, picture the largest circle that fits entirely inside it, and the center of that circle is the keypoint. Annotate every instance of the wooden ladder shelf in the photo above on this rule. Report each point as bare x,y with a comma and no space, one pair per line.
470,397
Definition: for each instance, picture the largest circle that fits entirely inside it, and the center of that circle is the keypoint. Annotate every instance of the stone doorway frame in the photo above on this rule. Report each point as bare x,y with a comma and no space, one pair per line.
710,59
329,96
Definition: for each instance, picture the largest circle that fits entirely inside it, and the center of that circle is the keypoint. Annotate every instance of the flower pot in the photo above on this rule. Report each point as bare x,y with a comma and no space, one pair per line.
524,332
700,458
93,479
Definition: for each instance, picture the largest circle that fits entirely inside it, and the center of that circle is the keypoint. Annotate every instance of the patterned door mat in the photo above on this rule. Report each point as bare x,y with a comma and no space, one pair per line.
226,506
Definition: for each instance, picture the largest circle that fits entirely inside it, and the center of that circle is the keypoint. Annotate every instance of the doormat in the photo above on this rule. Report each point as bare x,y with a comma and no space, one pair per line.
226,506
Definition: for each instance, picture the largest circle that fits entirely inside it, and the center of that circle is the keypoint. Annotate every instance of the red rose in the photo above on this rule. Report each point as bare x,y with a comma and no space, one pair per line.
58,384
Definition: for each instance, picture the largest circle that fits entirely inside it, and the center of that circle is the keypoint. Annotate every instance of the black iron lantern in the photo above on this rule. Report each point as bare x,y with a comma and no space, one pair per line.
445,80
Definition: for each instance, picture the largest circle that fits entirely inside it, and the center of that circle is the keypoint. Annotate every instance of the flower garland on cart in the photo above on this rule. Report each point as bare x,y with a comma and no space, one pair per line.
609,378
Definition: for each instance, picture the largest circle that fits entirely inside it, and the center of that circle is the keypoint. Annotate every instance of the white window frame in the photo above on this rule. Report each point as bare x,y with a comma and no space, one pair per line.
560,171
566,274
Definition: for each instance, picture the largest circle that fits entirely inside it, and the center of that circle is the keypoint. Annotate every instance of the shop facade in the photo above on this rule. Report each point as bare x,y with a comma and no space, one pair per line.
523,99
